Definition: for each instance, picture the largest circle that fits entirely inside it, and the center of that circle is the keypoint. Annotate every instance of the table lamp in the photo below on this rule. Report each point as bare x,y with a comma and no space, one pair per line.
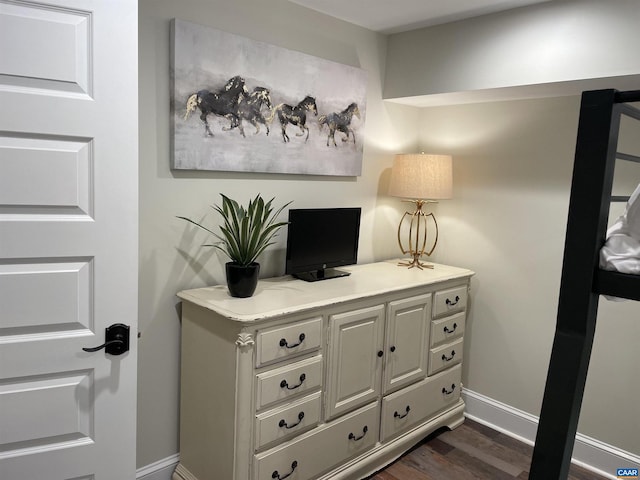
420,179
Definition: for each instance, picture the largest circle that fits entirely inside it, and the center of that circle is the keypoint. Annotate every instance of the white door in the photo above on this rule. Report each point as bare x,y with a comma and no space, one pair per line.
407,341
355,359
68,238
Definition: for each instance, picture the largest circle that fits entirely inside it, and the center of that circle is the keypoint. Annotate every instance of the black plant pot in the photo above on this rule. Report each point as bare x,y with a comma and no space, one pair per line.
242,279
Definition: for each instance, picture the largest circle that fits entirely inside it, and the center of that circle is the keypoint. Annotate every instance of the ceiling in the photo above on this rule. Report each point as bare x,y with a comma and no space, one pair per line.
393,16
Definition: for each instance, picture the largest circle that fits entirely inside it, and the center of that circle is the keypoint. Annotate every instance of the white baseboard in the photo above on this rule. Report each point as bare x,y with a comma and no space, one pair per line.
160,470
588,452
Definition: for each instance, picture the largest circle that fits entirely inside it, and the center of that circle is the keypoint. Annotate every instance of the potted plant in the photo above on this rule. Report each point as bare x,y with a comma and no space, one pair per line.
244,234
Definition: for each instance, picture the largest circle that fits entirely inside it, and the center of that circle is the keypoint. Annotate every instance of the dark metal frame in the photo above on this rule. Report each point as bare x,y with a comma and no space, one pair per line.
582,280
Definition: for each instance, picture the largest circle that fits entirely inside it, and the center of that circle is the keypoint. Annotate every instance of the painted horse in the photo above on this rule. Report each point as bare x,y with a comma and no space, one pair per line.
340,121
223,103
295,115
250,107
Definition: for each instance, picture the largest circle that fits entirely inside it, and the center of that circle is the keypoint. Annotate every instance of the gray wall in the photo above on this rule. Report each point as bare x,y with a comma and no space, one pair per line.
534,49
512,164
171,258
507,221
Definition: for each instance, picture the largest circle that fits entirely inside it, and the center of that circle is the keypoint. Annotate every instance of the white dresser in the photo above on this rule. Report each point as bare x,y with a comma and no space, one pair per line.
331,379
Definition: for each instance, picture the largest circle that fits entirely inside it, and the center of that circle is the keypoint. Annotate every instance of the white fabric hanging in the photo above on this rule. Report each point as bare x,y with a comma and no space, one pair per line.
621,251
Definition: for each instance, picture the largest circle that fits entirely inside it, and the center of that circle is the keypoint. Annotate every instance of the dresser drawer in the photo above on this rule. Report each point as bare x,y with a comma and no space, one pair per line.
447,329
320,449
288,341
283,423
416,404
445,356
289,381
449,301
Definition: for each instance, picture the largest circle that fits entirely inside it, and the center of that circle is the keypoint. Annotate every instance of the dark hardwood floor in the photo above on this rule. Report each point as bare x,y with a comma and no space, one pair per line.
470,452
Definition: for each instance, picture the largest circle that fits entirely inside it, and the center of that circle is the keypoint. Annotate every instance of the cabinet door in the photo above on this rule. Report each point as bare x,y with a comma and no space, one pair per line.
355,359
407,342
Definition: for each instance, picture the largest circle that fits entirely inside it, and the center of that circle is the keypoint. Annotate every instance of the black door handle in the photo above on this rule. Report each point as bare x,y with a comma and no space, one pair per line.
116,339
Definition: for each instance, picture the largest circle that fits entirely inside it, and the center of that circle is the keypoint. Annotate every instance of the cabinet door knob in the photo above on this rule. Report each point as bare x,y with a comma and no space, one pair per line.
393,348
380,353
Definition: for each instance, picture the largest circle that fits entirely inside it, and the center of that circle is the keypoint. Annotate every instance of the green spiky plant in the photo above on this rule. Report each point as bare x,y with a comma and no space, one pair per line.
246,232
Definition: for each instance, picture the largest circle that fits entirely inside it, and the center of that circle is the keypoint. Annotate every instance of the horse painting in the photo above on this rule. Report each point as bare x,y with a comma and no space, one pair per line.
340,121
223,103
295,115
250,107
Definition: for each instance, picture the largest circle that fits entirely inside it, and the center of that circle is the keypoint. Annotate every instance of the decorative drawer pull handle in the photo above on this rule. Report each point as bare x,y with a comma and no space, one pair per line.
449,392
284,384
446,329
283,342
406,412
275,474
283,423
365,429
448,359
454,303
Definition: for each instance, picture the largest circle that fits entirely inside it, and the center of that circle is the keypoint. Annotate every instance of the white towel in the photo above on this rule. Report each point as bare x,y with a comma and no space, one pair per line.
633,214
621,251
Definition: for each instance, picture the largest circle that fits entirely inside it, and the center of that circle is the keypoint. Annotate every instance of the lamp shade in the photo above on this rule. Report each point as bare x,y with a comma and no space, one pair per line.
422,176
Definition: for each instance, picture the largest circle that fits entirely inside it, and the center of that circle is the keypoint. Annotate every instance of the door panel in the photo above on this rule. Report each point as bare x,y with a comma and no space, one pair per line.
69,285
57,57
407,341
68,238
68,415
354,363
56,169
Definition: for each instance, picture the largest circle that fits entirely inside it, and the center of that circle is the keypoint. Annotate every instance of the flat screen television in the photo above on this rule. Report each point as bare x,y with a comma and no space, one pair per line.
320,239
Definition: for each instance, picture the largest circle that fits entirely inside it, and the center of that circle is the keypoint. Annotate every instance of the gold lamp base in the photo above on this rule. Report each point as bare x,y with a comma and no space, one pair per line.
417,236
415,263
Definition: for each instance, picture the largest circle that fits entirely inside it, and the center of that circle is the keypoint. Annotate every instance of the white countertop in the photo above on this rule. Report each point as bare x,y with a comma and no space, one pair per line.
285,295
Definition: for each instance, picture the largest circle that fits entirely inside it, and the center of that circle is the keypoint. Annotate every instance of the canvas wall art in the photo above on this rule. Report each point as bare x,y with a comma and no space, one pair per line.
243,105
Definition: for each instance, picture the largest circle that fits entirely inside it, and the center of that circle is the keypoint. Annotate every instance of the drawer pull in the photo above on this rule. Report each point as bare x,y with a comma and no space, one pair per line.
454,303
284,343
283,423
449,392
446,329
406,412
275,474
365,429
448,359
285,384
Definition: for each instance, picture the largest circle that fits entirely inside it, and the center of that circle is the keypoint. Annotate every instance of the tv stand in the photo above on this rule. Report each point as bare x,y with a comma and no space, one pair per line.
322,274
